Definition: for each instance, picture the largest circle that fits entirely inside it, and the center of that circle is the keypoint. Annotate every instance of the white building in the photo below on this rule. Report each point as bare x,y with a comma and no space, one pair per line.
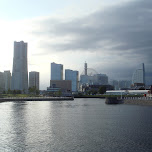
34,79
127,92
73,76
20,68
7,80
139,75
56,71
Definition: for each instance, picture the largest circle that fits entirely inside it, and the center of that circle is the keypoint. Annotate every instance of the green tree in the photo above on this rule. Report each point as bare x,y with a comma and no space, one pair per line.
4,92
33,90
102,89
14,91
9,91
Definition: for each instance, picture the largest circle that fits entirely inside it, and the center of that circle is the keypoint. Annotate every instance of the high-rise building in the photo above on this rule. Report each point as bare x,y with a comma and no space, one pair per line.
114,83
7,80
100,79
56,71
139,75
73,76
2,83
85,68
34,79
20,68
124,84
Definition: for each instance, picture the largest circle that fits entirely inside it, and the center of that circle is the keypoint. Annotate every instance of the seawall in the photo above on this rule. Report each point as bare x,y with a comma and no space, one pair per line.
145,101
35,99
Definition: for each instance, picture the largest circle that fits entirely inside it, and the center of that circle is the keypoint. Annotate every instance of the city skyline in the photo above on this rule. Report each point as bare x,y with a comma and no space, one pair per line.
110,35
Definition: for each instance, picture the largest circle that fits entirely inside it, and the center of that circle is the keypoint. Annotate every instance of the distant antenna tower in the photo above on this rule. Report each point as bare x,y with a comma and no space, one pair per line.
85,68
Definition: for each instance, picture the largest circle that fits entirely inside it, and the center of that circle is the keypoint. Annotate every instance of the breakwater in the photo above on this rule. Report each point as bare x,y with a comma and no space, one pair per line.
146,101
35,99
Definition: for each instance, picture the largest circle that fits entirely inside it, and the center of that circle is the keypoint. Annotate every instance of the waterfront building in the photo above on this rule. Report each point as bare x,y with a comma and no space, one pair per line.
73,76
124,84
7,80
2,82
96,79
100,79
127,92
84,79
34,79
115,83
64,87
56,71
139,75
148,76
20,68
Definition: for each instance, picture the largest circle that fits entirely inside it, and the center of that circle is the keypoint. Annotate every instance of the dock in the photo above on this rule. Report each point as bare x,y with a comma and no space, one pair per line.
146,101
35,99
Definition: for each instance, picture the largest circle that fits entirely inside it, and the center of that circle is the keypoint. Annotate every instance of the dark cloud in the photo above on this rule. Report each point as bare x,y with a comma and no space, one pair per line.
124,30
123,27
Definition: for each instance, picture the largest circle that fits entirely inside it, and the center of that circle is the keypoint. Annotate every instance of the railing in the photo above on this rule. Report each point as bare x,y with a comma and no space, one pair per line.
137,98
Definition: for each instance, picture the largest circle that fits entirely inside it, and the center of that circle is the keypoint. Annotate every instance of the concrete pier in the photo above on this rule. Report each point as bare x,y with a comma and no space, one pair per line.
35,99
146,101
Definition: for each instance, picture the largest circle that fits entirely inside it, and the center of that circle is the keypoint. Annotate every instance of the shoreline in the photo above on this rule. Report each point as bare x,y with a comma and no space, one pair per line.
35,99
138,102
129,101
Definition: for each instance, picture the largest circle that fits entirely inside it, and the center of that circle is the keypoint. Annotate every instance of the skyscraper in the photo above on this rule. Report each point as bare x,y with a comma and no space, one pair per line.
73,76
56,71
20,69
34,79
7,80
139,75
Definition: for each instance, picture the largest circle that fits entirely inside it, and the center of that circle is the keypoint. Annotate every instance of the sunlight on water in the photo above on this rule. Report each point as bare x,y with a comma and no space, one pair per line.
85,125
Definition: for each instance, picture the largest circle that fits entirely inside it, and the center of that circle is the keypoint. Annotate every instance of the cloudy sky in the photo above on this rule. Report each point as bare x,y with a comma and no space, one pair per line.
112,36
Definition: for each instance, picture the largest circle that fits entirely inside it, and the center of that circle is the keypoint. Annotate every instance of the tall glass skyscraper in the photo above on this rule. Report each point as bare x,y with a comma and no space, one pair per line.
139,75
56,71
73,76
20,69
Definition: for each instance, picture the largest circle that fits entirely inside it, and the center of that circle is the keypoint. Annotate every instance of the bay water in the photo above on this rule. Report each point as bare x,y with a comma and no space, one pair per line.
82,125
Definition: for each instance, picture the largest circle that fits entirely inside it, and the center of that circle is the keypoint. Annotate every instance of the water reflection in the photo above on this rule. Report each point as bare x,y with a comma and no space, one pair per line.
79,125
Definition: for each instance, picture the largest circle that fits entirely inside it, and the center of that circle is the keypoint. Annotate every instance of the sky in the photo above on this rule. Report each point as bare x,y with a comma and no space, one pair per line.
113,37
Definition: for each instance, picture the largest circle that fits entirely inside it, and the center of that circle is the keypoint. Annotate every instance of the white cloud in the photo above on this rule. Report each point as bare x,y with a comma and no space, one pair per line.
111,40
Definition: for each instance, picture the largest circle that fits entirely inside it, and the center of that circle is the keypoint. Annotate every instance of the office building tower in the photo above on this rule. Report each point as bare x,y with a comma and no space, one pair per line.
73,76
100,79
20,69
56,71
85,68
115,84
2,83
139,75
148,75
60,85
124,84
7,80
84,79
34,79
